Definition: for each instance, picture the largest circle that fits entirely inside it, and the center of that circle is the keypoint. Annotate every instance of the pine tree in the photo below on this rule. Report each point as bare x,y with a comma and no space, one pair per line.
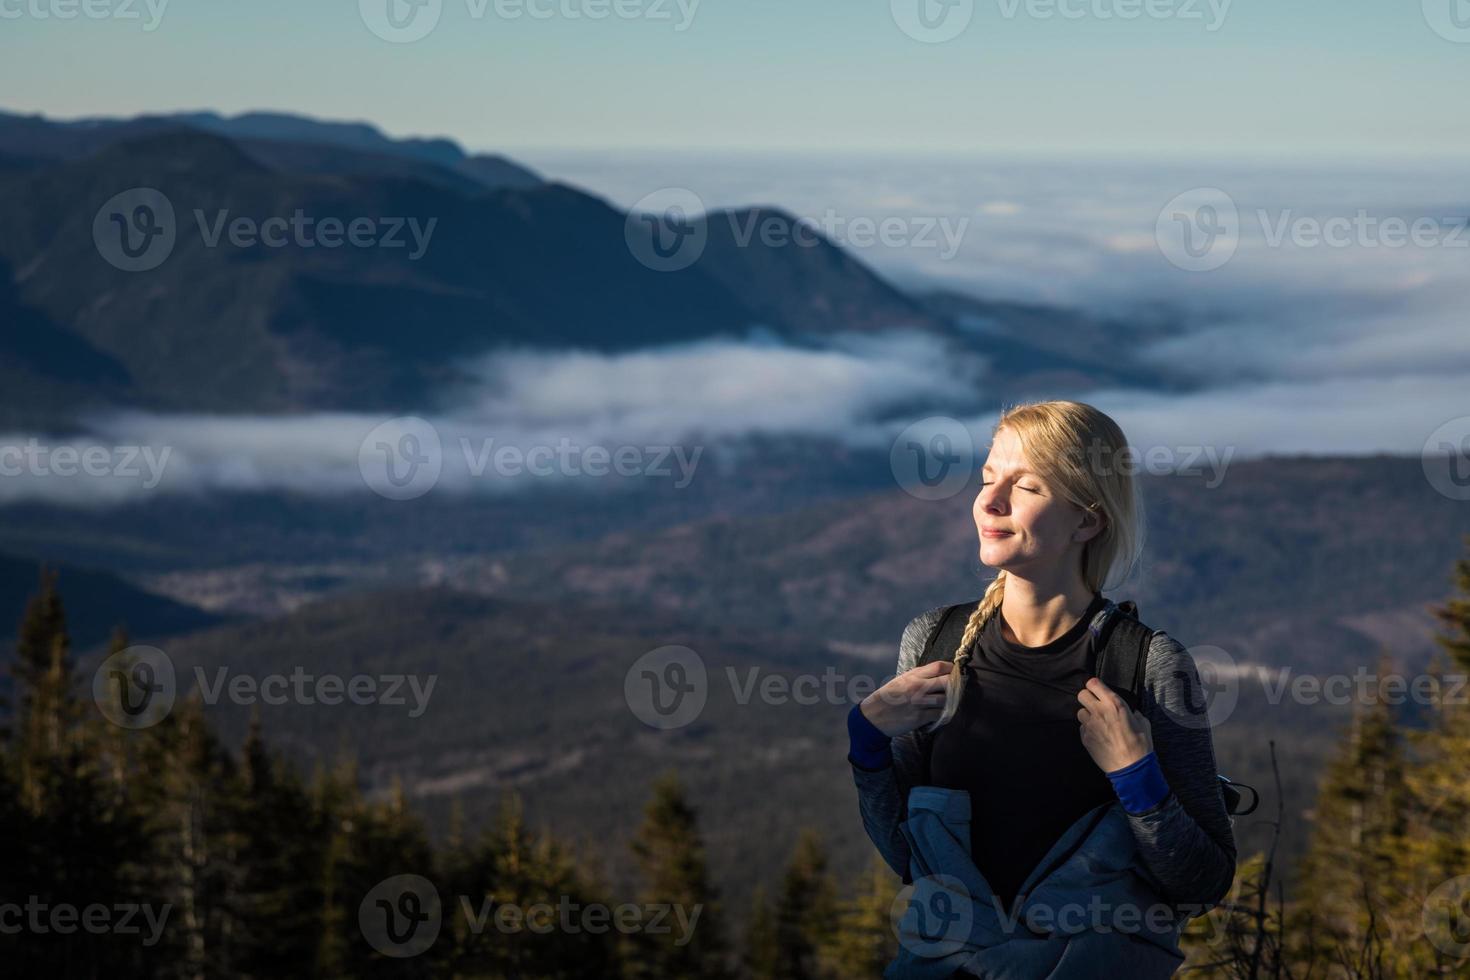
334,801
1454,616
279,904
1357,836
48,711
521,907
865,942
79,842
762,955
190,788
670,854
1437,846
806,911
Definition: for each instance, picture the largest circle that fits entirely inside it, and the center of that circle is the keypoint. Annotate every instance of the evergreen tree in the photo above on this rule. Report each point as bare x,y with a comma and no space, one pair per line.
1437,845
806,912
670,854
1454,616
865,942
762,955
1357,836
190,789
521,907
49,714
78,843
279,902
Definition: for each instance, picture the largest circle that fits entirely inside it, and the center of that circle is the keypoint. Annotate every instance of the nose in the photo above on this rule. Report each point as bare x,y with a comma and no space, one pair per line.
991,499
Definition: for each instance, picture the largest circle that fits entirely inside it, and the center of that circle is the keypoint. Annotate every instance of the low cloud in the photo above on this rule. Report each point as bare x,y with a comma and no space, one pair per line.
664,402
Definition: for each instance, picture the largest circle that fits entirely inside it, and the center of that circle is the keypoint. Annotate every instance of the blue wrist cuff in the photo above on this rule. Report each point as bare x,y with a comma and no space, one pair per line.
868,748
1141,786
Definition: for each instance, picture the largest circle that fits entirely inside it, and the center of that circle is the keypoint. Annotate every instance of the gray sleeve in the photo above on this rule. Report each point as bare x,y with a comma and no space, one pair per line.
1187,841
883,793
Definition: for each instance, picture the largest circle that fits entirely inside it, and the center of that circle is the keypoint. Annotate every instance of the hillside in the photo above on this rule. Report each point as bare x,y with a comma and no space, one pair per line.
530,695
228,328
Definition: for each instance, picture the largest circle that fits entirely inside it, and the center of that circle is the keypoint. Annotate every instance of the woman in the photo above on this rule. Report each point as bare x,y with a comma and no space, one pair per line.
1014,781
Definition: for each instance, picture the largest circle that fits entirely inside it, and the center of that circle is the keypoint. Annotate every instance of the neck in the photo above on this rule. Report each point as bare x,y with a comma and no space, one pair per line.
1037,613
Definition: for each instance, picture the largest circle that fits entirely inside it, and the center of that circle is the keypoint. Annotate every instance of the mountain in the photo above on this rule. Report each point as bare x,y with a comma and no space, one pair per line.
490,170
478,254
282,141
785,272
96,602
304,327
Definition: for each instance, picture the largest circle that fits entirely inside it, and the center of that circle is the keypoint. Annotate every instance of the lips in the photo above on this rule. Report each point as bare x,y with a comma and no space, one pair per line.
991,532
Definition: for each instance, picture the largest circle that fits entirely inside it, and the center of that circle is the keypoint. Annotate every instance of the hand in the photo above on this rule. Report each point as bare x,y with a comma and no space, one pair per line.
1113,735
911,699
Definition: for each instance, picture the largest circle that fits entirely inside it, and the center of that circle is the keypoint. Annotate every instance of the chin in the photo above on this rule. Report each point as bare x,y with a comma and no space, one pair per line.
990,557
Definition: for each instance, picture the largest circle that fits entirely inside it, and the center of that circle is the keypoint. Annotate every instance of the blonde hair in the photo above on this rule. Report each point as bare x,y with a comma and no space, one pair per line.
1080,453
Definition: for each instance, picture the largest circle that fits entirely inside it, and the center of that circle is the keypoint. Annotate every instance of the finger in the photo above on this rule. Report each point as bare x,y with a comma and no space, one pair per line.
1083,715
934,684
1088,698
936,668
911,693
1105,694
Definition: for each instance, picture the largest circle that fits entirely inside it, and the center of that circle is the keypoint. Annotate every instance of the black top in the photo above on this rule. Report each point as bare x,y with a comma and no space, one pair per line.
1015,747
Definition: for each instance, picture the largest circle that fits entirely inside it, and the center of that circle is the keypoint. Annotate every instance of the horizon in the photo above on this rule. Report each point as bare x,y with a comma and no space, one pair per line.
523,152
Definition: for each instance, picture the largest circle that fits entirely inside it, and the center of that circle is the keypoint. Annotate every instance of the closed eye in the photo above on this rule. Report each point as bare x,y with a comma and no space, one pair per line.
986,483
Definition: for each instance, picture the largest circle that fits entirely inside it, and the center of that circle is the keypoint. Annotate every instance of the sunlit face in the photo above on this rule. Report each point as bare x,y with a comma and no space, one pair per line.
1022,521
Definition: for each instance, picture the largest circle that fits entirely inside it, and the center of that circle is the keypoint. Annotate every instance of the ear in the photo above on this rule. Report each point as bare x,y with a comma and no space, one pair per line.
1093,521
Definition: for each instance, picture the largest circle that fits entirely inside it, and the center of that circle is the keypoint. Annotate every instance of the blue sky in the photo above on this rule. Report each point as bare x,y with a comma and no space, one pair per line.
1315,77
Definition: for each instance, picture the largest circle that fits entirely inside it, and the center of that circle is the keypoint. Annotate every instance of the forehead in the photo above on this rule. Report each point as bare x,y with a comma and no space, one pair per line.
1007,454
1012,469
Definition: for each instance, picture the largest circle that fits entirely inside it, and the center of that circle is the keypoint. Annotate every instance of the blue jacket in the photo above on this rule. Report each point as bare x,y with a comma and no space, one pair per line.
1090,909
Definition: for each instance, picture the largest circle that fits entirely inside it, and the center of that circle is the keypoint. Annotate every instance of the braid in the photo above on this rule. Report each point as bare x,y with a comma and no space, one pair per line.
986,608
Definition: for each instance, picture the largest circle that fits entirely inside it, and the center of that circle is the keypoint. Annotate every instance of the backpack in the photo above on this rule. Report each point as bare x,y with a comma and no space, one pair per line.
1122,660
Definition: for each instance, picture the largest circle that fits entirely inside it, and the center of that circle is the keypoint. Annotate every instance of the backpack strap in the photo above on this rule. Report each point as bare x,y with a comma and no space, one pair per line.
942,644
945,635
1122,653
